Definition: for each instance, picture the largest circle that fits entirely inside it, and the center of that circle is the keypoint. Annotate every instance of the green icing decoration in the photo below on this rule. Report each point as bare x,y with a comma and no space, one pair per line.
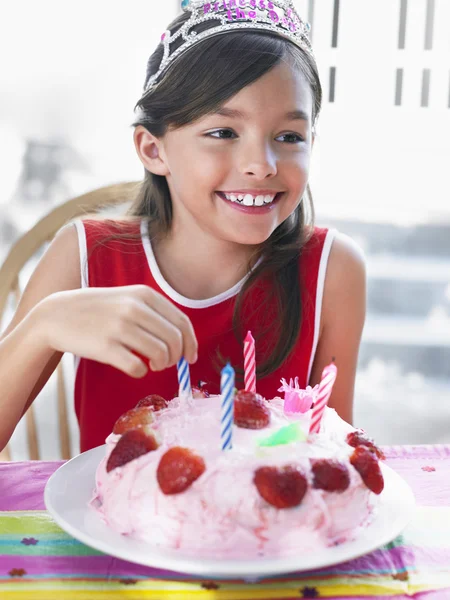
285,435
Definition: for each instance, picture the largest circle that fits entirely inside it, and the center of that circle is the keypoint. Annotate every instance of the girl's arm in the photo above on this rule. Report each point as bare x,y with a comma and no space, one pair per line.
342,322
26,362
113,325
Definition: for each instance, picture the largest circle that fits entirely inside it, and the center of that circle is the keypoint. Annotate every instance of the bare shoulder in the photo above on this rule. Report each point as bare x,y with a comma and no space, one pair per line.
61,261
346,273
58,270
345,282
346,259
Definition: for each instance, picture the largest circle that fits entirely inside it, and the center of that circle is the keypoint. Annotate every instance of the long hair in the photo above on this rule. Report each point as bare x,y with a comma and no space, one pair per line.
198,82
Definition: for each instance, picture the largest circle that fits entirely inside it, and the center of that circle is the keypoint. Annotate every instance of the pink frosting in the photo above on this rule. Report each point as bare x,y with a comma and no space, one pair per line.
222,513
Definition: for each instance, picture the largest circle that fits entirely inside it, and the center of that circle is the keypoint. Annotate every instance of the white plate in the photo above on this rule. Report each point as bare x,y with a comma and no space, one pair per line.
70,488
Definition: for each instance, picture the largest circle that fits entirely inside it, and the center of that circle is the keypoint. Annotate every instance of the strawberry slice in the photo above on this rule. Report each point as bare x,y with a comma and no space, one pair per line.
178,469
200,391
250,412
132,444
154,402
359,438
282,487
132,419
366,463
330,475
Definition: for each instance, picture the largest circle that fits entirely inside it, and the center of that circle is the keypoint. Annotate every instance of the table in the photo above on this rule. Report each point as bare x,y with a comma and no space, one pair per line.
39,561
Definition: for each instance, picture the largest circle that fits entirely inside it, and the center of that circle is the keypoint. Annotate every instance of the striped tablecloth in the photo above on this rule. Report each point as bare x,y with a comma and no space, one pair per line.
38,561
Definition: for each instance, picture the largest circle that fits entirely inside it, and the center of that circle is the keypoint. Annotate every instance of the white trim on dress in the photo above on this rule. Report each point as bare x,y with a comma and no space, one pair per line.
168,289
331,234
84,267
82,245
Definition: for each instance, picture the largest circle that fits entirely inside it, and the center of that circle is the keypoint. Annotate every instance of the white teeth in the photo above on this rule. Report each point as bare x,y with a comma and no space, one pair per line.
249,200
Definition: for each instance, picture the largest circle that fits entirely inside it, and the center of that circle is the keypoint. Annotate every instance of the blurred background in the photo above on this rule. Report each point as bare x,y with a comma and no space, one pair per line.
70,74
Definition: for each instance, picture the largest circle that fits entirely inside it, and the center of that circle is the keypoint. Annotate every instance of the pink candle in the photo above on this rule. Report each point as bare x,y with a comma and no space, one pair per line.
249,363
323,395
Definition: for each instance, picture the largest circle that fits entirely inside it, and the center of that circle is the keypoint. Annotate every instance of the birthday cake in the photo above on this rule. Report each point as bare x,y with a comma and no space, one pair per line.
279,489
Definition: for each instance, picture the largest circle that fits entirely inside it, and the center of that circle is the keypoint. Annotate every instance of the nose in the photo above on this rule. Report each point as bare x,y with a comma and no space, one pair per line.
258,159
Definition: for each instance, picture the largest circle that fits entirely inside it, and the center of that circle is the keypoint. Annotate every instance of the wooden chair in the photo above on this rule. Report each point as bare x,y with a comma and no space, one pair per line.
89,204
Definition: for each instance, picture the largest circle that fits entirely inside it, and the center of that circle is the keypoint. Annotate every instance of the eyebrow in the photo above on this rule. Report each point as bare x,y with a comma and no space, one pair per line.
294,115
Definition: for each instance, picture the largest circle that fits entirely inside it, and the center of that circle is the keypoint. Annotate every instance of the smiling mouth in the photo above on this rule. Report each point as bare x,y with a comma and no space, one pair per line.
241,201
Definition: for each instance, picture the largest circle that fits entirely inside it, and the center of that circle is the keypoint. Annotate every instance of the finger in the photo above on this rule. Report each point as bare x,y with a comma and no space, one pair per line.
154,324
179,319
123,359
147,344
190,343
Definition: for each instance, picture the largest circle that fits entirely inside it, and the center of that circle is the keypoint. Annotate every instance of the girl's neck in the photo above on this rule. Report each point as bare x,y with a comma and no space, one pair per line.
203,267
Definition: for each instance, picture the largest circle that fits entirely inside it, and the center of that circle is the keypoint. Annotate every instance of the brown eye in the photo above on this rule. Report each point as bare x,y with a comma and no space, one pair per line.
295,141
220,131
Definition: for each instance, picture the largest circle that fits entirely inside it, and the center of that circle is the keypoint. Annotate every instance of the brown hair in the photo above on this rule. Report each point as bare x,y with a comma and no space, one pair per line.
191,89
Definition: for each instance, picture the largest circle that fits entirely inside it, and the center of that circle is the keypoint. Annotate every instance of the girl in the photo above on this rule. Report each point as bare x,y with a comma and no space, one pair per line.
220,240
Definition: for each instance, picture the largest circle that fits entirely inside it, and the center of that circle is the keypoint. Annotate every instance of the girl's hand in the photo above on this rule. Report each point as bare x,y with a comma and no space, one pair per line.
109,325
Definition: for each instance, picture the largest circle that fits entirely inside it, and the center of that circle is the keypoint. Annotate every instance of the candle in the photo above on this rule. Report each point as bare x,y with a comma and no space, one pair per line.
184,379
323,395
227,391
249,363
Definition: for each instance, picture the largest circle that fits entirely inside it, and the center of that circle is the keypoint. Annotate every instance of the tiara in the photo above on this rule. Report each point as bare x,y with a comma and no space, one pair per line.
276,16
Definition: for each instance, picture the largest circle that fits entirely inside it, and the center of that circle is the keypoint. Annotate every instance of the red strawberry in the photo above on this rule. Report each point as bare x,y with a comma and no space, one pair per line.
132,444
250,412
359,438
132,419
330,475
366,463
282,487
154,402
178,469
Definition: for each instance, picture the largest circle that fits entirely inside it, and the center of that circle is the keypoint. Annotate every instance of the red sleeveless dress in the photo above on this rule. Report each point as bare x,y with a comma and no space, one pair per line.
103,393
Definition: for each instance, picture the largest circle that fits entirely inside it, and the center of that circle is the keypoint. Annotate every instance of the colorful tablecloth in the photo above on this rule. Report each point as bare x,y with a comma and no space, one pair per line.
39,561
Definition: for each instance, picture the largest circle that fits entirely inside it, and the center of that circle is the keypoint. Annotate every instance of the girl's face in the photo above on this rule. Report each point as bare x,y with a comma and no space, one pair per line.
265,152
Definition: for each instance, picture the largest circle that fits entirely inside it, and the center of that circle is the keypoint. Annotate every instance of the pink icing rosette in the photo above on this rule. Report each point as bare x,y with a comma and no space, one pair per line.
295,399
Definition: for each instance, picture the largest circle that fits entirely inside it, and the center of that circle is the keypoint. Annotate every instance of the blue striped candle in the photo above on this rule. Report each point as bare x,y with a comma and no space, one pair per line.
184,379
227,391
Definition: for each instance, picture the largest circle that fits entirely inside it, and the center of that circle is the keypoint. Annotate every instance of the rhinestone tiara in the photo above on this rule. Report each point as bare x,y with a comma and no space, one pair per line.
276,16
